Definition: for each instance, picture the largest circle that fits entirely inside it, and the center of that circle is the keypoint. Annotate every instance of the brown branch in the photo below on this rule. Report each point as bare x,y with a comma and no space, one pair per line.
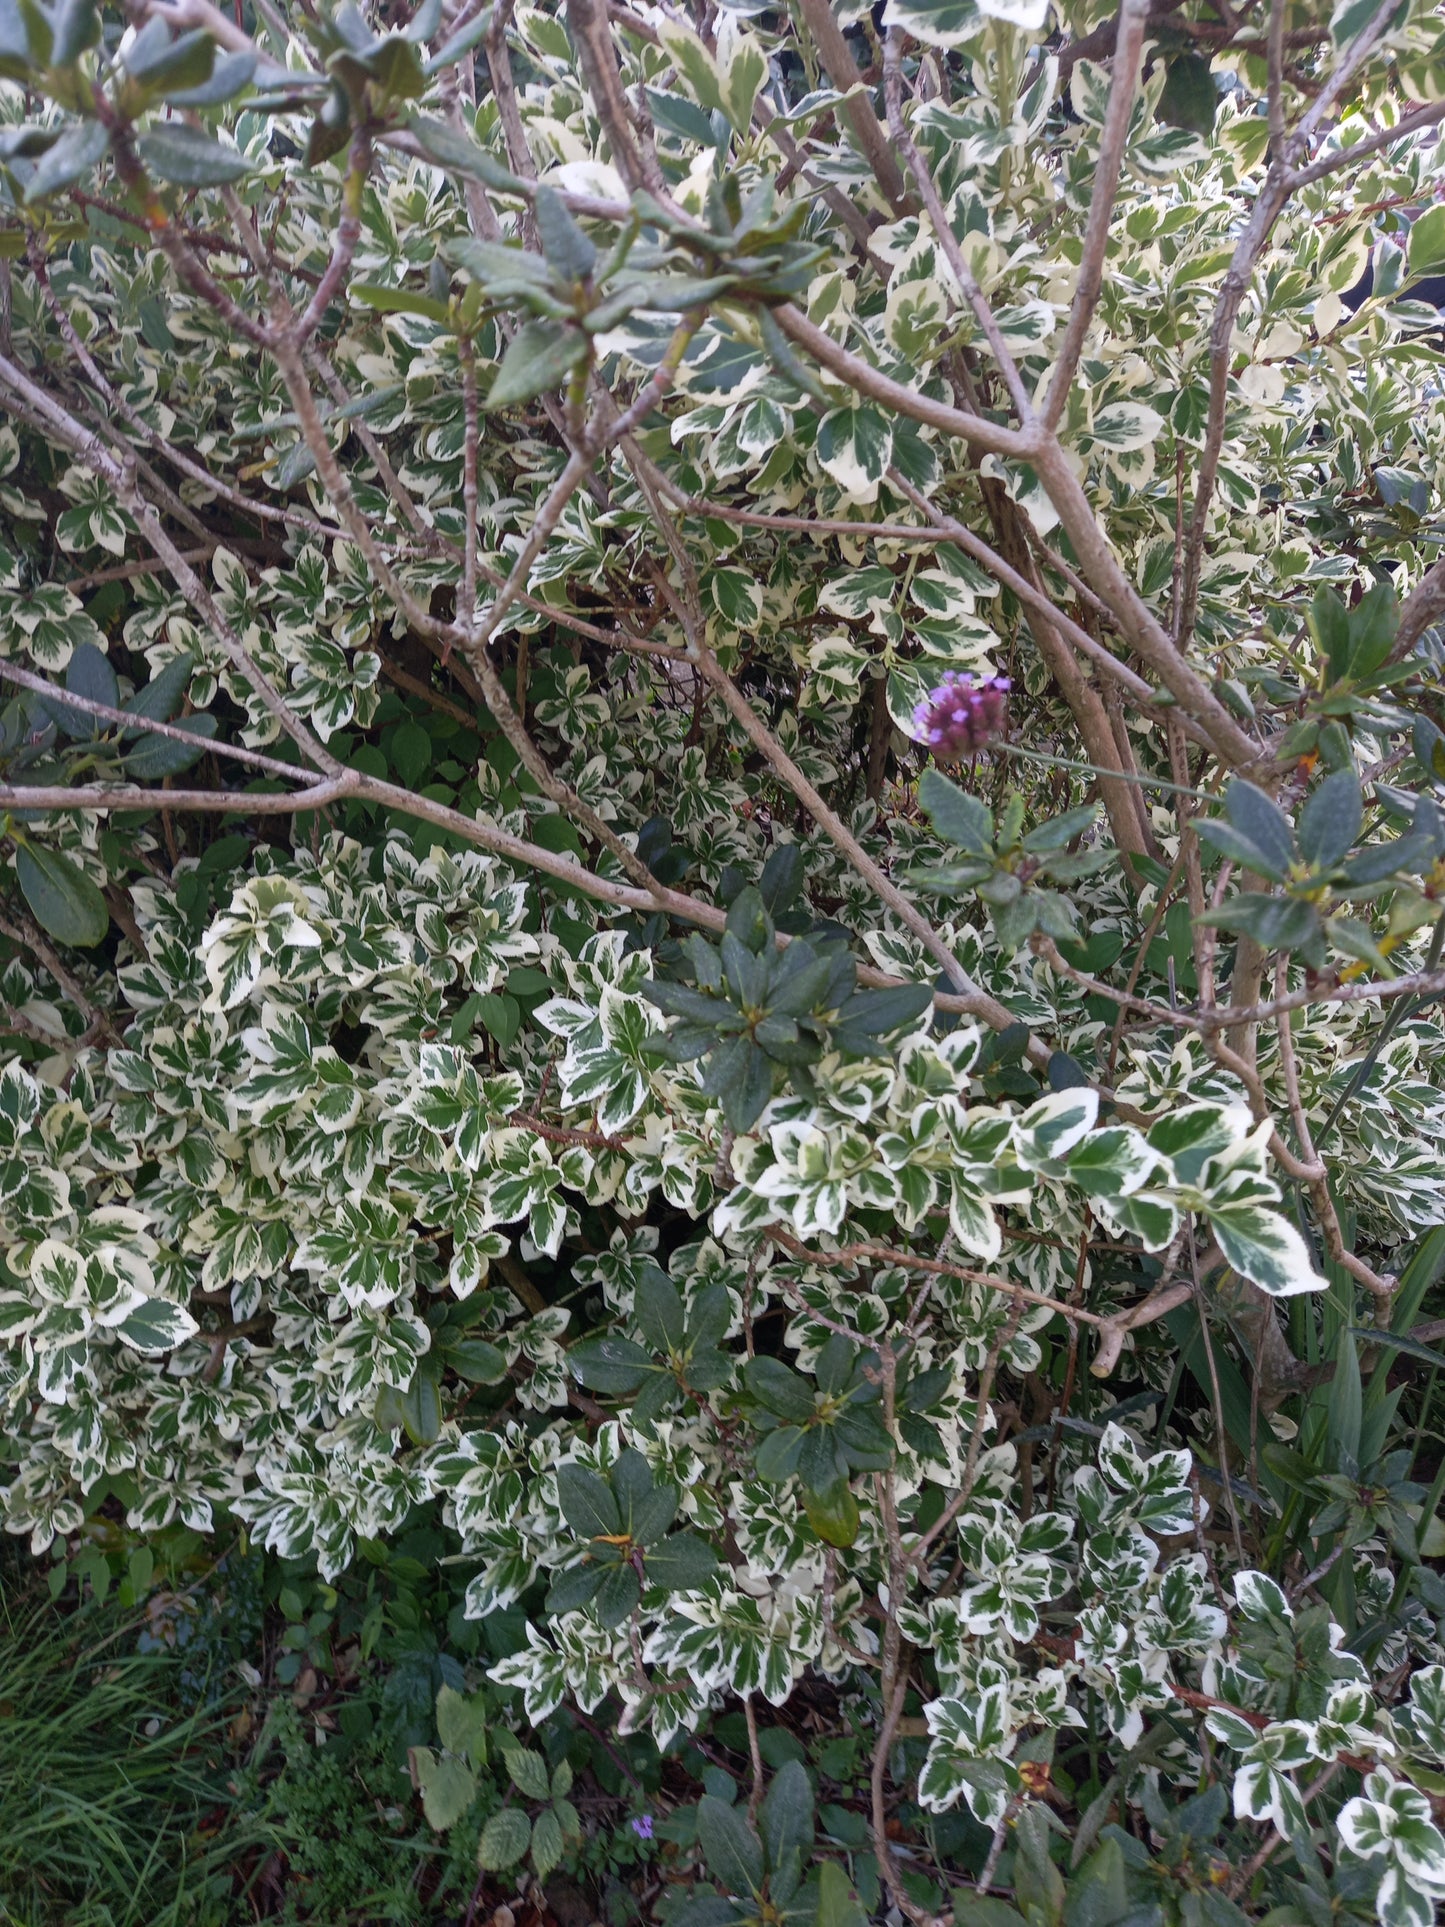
147,726
1103,187
939,222
841,69
865,379
1280,183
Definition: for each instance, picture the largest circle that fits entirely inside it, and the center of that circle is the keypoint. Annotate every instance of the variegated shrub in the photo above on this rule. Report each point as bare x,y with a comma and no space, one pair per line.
722,853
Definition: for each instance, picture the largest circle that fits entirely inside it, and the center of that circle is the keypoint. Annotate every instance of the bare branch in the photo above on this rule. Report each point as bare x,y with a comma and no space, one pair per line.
1123,89
89,449
1421,610
840,67
938,218
148,726
865,379
1279,185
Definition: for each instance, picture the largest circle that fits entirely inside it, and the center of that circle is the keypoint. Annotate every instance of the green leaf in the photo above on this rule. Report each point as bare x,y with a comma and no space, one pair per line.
421,1405
528,1769
781,883
448,1786
392,65
461,42
541,355
158,63
733,1851
958,818
400,301
1344,1410
1260,819
1399,1342
658,1311
1374,621
186,157
833,1514
618,1594
879,1011
1189,99
1427,242
424,22
75,27
575,1588
161,697
983,1910
155,757
62,899
546,1843
778,1454
462,1721
89,675
645,1506
587,1503
566,248
505,1838
681,1563
476,1361
1038,1884
1329,626
838,1901
785,1819
230,75
1330,820
781,1390
610,1363
79,149
452,149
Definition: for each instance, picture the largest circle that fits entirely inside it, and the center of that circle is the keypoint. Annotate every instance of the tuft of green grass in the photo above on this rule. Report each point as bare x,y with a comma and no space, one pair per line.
114,1810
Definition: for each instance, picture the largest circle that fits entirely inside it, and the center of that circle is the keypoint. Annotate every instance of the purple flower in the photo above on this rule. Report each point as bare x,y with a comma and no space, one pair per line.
642,1825
962,716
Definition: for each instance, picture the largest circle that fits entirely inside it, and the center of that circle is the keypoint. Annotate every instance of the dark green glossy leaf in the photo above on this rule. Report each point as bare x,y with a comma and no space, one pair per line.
155,757
231,74
785,1819
75,27
421,1406
1189,99
610,1363
778,1388
618,1594
541,356
162,696
62,899
957,817
1330,820
734,1852
587,1503
476,1361
657,1311
1260,819
185,157
680,1563
778,1454
74,156
568,251
575,1587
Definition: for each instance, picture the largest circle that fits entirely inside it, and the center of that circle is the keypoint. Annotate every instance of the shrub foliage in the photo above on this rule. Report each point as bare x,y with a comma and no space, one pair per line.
721,847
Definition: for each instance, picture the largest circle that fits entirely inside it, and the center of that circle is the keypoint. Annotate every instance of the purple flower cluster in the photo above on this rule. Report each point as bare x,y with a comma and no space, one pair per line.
962,716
